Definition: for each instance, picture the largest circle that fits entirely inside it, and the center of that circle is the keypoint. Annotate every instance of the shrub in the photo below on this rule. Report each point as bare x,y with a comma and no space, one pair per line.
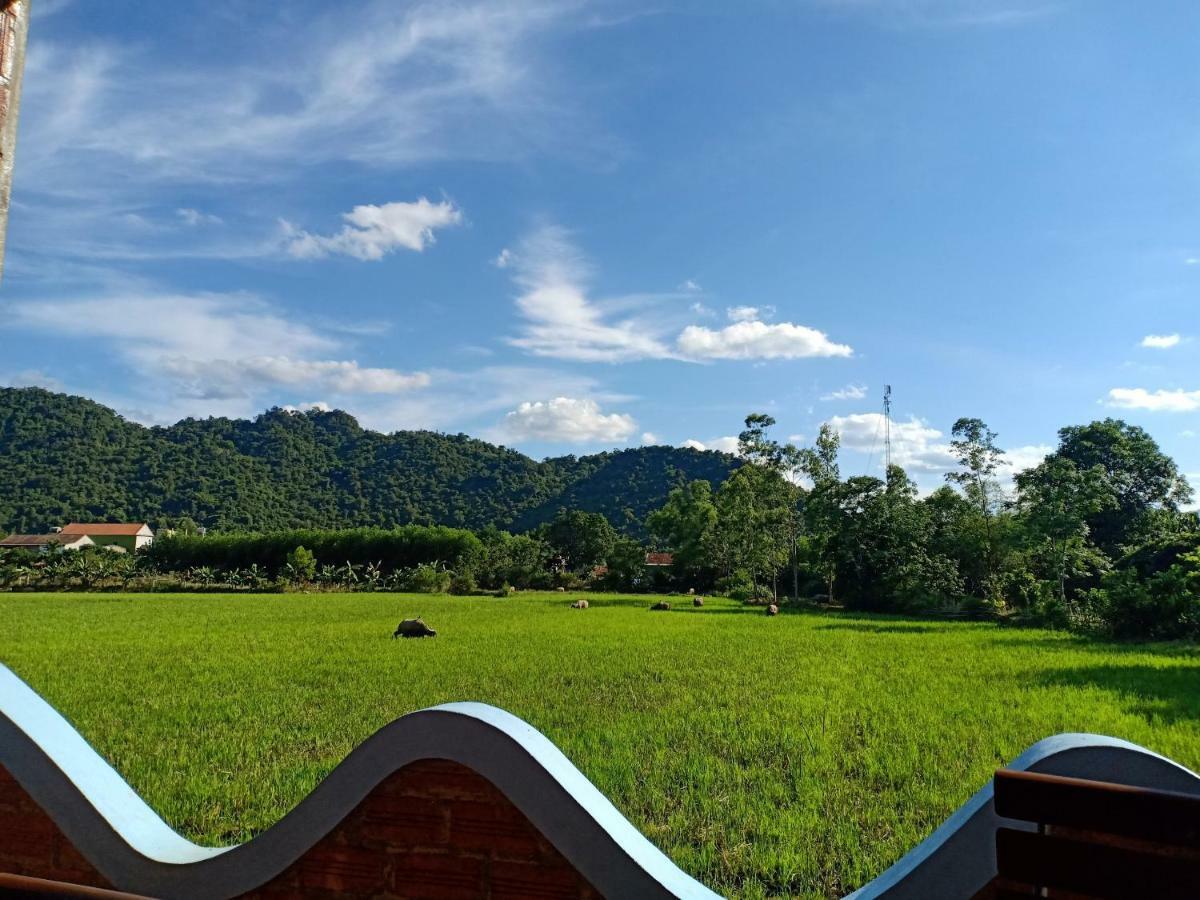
426,578
301,565
463,583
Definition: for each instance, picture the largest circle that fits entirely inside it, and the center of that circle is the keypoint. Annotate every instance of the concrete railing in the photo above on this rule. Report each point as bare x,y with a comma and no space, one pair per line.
464,798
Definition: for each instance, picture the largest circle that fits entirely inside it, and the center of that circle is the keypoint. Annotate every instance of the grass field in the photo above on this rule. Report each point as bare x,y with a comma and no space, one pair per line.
794,756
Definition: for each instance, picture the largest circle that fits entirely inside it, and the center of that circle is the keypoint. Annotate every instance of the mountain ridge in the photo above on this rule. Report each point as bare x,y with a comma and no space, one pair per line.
65,457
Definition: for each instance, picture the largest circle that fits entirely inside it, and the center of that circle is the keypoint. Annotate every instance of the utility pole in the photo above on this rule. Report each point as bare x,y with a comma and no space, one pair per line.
887,428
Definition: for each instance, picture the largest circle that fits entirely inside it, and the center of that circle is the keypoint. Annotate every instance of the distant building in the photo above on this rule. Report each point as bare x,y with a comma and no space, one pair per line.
129,537
44,543
660,559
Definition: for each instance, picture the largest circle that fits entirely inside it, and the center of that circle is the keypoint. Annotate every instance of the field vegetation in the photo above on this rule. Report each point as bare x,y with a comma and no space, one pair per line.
796,755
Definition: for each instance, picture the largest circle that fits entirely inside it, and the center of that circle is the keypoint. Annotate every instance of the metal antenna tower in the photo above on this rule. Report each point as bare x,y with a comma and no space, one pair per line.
887,427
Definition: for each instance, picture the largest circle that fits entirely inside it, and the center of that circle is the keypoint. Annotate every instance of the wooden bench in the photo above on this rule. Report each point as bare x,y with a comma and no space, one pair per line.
1095,840
43,889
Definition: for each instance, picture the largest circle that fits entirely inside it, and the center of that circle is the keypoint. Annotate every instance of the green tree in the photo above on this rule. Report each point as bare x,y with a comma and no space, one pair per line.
683,524
301,565
751,531
1137,477
1057,500
581,539
822,505
974,444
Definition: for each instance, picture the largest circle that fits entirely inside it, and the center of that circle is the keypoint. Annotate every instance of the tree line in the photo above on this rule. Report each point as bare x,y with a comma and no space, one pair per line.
1092,537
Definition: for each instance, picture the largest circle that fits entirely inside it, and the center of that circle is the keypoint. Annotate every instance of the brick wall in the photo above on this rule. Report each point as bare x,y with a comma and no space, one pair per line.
31,844
432,830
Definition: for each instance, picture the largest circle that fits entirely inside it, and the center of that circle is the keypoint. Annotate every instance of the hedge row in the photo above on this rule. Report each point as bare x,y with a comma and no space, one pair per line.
391,548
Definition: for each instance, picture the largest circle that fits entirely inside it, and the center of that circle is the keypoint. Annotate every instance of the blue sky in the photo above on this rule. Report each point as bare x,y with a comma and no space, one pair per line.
567,227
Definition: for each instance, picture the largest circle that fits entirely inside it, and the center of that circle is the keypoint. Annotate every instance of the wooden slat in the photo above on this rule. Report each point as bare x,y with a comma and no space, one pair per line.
1165,817
43,889
1097,870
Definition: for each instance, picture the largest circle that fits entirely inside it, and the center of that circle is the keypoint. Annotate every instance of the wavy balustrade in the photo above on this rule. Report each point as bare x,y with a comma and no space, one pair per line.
462,800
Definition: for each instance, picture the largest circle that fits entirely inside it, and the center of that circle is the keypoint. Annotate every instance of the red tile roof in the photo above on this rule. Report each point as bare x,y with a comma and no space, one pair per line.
104,528
37,540
660,559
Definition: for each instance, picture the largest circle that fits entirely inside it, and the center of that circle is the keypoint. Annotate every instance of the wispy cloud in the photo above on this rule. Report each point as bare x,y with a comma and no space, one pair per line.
849,392
562,320
1154,401
206,347
945,13
110,126
372,232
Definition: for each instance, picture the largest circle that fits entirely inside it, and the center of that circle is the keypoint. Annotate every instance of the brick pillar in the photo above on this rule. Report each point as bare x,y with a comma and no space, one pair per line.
14,26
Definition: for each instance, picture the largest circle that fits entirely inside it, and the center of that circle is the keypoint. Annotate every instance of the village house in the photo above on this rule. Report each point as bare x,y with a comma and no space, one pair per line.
44,543
128,537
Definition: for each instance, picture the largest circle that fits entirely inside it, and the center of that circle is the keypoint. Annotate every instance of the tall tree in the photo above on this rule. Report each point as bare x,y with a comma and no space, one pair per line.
974,444
1137,476
822,505
1057,499
683,523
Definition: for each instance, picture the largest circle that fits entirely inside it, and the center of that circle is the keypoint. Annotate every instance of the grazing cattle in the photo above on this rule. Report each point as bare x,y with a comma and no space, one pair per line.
579,604
698,601
413,628
661,604
772,610
561,590
691,590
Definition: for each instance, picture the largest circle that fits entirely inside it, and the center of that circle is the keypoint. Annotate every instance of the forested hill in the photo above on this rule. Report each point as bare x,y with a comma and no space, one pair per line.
65,458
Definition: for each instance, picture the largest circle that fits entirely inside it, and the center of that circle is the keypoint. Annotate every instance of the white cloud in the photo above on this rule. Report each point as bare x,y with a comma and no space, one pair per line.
194,217
32,378
1187,433
692,287
849,392
946,13
316,405
758,340
727,444
916,446
208,346
561,320
749,313
796,439
372,232
235,378
1157,401
503,259
650,439
1192,261
1160,341
567,420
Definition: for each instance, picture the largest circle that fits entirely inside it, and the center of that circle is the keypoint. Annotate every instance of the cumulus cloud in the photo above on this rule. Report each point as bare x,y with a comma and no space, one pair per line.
567,420
915,445
727,444
1154,401
650,439
1160,341
691,286
503,259
758,340
314,406
749,313
372,232
849,392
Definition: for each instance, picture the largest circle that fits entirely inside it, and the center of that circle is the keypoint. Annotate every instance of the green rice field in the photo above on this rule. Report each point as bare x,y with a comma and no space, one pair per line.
792,756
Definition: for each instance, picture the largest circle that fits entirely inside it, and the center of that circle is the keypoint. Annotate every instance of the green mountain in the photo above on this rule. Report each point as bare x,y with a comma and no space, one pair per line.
64,458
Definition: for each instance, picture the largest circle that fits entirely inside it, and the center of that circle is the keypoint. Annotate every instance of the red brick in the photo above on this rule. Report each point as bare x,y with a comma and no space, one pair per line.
428,876
344,868
534,881
499,829
401,822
